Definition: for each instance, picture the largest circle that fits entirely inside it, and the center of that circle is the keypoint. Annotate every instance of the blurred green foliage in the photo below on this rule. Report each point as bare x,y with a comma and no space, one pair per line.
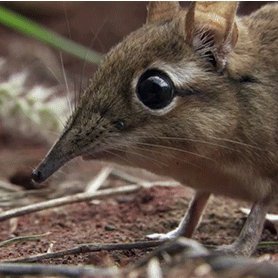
29,28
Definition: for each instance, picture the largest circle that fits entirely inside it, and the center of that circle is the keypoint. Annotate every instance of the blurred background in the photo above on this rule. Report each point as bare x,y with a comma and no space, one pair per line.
97,25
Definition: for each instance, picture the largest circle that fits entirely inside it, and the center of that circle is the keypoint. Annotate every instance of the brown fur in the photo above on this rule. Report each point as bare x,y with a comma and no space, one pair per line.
223,139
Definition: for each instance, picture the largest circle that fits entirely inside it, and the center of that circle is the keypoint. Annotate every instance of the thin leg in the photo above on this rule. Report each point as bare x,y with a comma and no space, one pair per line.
250,234
190,220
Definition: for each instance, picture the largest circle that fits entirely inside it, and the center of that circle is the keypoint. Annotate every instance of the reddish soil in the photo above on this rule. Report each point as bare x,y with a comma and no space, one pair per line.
125,218
119,219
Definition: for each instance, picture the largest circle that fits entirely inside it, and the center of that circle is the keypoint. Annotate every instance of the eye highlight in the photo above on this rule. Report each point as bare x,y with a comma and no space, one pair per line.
155,89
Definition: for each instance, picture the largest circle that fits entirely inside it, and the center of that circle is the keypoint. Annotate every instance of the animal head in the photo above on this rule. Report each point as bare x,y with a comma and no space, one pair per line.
164,82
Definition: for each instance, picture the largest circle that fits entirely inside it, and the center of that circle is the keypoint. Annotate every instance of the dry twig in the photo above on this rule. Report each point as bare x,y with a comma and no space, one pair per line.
81,197
55,270
21,239
188,250
94,185
127,177
182,250
86,248
145,183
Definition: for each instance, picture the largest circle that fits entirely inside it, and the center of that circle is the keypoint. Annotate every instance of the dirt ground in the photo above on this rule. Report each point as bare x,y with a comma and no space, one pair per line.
125,218
119,219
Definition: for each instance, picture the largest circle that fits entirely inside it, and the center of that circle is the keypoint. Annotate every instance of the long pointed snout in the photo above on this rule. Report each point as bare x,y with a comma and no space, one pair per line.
47,167
55,159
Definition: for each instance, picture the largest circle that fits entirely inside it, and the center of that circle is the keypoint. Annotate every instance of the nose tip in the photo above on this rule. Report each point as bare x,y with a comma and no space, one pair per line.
37,176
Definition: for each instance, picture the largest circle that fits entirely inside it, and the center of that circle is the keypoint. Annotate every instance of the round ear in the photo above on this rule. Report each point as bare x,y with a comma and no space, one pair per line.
211,30
160,11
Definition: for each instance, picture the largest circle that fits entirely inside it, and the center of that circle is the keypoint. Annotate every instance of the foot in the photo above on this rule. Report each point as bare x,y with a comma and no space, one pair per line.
171,235
250,234
189,221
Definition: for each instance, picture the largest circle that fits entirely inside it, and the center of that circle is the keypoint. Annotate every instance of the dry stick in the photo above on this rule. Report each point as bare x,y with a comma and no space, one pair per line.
21,239
81,197
145,183
217,262
94,185
240,267
174,246
192,250
160,183
86,248
127,177
57,270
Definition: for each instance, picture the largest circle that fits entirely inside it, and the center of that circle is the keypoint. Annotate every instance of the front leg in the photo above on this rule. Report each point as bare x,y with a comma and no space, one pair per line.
190,220
250,234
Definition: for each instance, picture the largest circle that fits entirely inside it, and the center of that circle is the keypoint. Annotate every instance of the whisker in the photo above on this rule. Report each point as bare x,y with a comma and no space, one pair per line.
177,158
71,105
144,156
206,142
175,149
56,133
57,78
120,157
237,142
122,148
127,142
85,58
189,140
75,94
66,83
67,20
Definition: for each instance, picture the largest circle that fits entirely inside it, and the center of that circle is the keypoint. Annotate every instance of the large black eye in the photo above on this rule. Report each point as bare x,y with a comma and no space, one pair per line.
155,89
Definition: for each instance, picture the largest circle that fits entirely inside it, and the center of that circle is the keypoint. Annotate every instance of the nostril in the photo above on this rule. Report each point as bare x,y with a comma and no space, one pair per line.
37,176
